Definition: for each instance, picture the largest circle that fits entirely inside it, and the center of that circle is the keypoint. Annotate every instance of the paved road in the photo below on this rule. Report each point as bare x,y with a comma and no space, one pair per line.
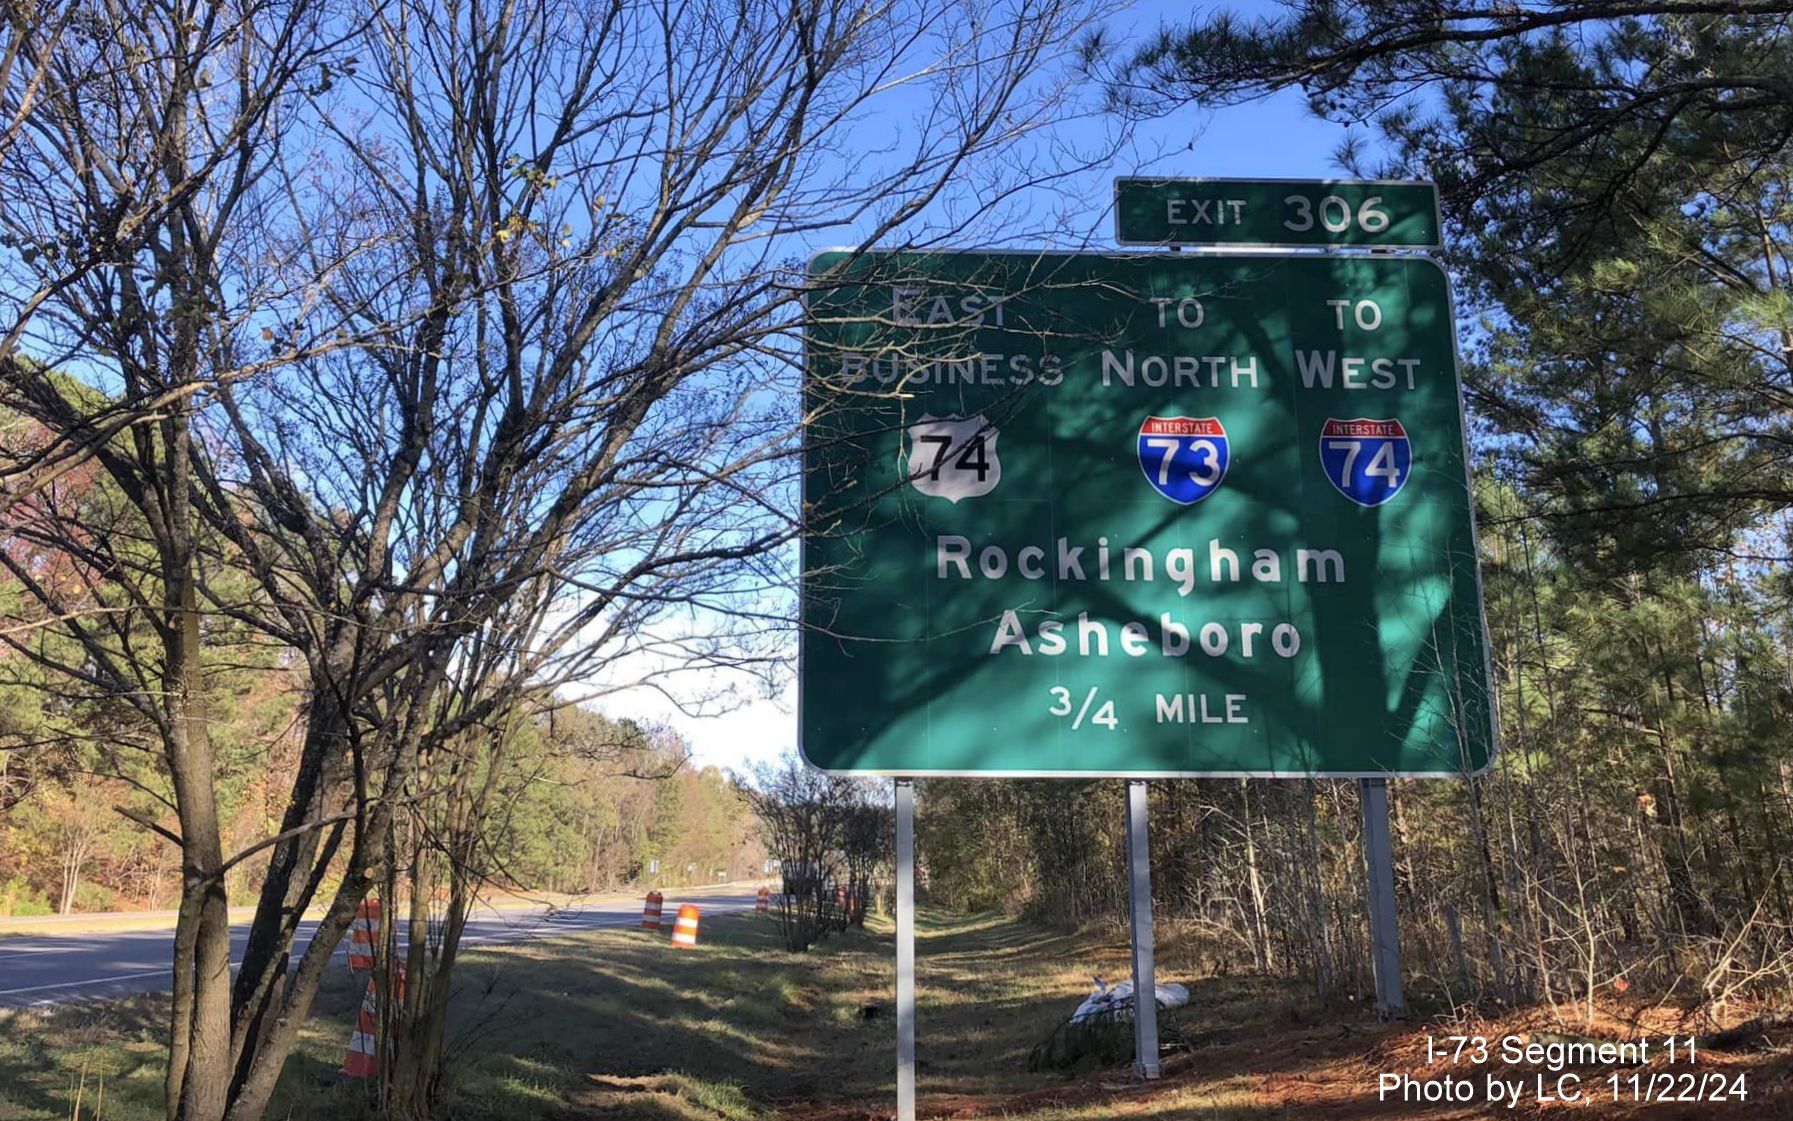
42,971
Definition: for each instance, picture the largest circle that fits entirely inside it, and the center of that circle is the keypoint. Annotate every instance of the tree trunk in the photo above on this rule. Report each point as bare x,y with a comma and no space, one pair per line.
295,869
71,876
1315,890
204,1088
1260,940
280,1032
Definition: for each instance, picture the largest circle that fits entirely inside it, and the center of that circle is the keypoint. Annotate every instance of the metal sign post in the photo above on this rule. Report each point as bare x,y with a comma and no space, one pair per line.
1145,973
1379,863
905,948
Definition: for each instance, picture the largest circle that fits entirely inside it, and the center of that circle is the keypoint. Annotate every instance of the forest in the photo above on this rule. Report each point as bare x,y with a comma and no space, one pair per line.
586,805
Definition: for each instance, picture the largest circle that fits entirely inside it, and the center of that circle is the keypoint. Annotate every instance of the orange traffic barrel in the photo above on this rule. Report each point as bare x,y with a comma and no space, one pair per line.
684,928
363,1057
650,912
364,934
763,900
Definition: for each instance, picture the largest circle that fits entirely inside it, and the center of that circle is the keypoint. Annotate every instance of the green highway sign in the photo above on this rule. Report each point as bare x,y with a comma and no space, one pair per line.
1108,514
1371,214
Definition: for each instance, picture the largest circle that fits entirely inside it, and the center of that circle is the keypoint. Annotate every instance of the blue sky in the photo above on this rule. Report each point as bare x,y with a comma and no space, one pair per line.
1272,139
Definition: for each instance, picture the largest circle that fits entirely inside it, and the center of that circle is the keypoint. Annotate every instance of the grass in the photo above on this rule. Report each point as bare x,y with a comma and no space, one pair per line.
616,1025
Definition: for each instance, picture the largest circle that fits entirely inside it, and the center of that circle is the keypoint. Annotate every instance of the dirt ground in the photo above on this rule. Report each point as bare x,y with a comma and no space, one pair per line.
1250,1069
1249,1050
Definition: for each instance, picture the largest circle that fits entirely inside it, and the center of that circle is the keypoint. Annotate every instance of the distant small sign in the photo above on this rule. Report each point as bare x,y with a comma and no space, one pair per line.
1293,213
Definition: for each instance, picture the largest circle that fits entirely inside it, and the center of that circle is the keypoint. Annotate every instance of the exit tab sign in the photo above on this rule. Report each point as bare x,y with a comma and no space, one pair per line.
1285,213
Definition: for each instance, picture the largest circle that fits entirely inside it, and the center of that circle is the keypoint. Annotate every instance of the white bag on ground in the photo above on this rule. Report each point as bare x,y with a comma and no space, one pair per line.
1109,1002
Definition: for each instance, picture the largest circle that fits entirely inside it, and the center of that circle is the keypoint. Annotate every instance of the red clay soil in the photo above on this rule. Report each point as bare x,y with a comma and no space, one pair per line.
1332,1072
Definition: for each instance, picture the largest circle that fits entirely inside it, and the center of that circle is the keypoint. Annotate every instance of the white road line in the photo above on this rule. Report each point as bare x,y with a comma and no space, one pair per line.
93,981
515,934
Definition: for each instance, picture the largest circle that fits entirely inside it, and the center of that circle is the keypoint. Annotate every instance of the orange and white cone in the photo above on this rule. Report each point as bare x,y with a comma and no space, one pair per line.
362,1060
684,928
363,1057
763,901
364,935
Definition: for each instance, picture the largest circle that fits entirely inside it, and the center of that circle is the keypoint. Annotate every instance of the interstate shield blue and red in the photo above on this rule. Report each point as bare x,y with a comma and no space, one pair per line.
1367,461
1183,457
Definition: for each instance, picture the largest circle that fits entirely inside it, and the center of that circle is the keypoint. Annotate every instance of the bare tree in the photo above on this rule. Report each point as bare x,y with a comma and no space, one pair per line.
489,363
803,816
868,839
585,385
124,197
132,140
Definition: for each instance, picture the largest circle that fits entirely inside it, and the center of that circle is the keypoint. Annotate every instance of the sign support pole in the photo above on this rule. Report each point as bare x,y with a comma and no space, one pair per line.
1145,976
1379,863
905,948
